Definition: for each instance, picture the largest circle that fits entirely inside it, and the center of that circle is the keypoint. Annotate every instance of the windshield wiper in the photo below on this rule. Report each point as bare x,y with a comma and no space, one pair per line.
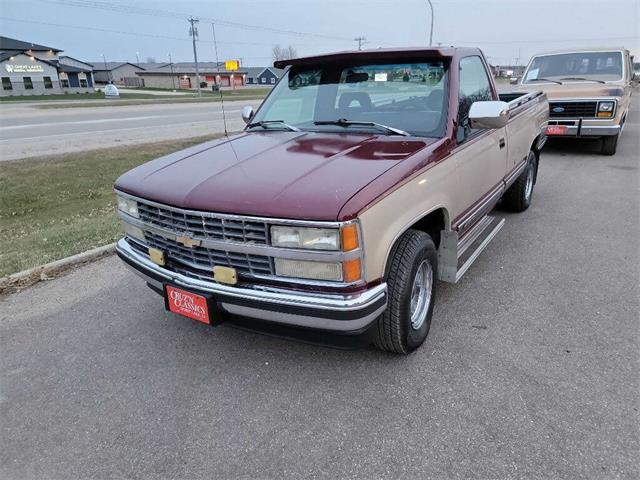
583,79
264,124
343,122
544,80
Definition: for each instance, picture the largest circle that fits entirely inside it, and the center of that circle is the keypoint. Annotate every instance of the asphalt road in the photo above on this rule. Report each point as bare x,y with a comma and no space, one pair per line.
530,370
27,131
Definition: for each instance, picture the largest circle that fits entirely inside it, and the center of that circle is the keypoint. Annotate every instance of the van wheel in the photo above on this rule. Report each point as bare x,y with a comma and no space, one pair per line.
411,289
609,145
518,197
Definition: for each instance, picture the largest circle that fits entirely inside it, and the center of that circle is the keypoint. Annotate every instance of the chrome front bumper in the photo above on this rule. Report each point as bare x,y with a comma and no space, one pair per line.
590,131
321,311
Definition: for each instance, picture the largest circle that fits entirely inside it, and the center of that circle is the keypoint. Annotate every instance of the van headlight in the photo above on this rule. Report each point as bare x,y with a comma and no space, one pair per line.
128,206
306,238
605,109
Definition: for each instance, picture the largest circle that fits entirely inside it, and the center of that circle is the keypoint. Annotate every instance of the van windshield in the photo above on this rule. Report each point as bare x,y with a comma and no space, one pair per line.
595,66
408,97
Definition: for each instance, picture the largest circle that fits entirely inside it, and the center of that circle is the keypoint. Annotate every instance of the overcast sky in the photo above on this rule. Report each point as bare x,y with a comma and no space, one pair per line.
248,29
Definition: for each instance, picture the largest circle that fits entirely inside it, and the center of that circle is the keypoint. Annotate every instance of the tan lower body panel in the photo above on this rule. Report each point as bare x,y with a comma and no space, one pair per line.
386,220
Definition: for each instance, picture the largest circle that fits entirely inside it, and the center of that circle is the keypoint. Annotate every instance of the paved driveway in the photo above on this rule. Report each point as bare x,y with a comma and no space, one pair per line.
530,371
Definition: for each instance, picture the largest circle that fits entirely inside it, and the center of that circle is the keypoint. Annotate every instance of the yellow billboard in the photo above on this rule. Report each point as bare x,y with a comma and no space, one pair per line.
231,65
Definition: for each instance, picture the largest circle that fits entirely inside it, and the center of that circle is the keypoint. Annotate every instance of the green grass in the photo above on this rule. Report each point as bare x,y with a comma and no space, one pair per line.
56,206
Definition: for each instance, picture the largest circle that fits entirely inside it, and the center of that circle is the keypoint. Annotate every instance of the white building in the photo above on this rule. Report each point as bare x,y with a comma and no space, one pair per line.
32,69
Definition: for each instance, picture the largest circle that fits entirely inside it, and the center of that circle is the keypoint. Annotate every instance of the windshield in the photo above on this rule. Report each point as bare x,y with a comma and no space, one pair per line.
405,96
603,66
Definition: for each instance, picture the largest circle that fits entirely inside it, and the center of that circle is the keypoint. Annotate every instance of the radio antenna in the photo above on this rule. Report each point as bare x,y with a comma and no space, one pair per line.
215,46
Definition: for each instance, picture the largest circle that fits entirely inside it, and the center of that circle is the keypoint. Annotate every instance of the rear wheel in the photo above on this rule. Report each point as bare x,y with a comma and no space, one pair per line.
518,197
609,145
411,283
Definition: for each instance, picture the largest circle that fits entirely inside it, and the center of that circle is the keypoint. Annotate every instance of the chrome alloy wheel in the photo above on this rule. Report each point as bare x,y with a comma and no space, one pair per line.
529,186
421,294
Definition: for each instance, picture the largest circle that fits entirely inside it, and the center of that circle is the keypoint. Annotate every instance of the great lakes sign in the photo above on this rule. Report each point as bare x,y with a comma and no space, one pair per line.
27,68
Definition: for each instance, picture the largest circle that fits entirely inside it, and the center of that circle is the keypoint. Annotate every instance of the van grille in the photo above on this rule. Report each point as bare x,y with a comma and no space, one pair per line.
572,109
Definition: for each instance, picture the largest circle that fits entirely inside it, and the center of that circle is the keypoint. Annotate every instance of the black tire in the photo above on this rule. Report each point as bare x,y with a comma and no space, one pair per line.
395,332
518,197
609,145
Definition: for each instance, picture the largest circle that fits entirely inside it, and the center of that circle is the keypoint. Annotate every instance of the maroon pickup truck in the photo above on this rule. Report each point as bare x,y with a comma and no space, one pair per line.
362,179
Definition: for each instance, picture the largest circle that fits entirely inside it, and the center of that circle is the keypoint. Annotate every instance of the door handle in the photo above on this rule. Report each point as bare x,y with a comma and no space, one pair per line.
502,143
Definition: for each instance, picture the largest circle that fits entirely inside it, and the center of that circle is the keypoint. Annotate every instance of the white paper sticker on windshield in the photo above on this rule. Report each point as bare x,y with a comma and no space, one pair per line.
380,77
532,74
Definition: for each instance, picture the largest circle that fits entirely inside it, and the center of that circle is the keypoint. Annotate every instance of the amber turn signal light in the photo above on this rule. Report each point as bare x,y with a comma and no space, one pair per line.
349,237
351,270
604,114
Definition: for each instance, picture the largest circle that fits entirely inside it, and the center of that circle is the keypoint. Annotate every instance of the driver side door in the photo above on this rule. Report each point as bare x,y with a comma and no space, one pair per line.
481,154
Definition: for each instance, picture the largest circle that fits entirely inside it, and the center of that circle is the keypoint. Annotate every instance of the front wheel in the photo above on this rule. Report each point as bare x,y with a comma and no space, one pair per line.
411,283
609,145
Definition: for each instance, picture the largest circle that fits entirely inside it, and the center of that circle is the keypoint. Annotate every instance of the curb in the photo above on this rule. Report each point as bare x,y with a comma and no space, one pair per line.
18,281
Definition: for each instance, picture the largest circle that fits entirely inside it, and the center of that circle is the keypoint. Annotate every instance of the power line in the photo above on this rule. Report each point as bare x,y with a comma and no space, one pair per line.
135,34
518,42
135,10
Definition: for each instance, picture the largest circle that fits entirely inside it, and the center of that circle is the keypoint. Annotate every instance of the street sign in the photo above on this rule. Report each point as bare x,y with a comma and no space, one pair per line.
231,65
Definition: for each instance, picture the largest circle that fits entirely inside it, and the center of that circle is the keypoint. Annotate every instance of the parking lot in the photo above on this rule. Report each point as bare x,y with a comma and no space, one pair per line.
530,370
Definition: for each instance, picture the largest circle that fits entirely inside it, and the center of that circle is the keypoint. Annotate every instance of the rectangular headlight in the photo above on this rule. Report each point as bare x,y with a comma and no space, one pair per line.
128,206
308,270
307,238
606,106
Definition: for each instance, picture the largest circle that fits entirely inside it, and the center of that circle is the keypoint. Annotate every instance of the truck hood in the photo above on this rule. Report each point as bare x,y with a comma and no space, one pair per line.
575,90
299,175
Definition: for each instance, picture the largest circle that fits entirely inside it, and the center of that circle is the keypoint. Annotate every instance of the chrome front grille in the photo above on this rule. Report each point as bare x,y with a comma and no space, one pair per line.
203,225
573,109
204,259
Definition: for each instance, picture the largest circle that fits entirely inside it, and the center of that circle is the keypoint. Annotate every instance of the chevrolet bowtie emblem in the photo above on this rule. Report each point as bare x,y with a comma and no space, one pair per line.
187,241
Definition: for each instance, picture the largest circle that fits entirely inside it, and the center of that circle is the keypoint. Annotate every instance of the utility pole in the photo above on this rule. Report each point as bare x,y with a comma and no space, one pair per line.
360,41
173,78
137,58
105,67
431,30
193,31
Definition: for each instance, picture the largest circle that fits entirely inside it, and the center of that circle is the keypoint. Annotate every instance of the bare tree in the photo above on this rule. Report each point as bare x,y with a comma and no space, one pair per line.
286,53
150,60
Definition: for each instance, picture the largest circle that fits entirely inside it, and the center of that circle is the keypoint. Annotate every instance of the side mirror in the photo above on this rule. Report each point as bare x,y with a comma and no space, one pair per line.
492,114
247,113
513,80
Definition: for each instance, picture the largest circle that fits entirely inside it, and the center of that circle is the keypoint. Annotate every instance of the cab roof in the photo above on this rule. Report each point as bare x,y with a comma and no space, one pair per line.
581,50
380,54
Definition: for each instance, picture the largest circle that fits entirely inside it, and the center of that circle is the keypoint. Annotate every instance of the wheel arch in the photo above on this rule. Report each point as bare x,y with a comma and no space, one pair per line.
536,151
432,223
